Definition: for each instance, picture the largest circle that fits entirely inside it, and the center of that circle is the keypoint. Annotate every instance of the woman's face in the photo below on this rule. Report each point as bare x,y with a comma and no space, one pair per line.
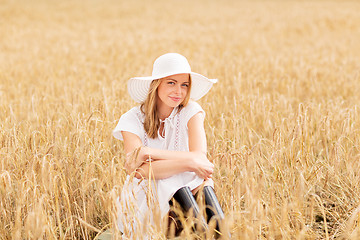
173,89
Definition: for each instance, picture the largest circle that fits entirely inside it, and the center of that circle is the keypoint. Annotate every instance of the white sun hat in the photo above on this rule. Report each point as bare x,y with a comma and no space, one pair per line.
164,66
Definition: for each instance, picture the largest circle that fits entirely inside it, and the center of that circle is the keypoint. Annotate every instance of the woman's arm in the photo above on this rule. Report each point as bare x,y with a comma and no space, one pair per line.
162,169
173,162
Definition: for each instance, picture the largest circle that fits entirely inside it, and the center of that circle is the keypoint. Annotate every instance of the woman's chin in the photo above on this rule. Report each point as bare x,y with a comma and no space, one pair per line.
174,104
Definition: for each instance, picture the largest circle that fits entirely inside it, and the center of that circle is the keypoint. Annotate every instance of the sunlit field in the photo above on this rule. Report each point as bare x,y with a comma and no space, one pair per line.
282,123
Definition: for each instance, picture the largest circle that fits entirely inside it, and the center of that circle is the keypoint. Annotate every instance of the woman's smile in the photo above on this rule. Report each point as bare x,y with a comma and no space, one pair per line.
176,99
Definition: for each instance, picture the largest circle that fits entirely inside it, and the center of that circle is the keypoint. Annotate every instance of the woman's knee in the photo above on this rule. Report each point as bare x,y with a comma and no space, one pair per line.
208,182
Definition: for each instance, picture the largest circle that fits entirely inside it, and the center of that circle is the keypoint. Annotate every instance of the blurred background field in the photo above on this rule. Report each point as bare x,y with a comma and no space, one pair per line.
282,122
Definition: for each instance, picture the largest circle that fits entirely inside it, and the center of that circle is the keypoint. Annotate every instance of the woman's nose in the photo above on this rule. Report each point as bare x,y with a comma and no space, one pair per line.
178,88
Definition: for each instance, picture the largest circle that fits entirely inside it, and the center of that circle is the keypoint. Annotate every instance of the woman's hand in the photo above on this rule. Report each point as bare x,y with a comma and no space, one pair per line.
136,158
202,166
132,161
144,154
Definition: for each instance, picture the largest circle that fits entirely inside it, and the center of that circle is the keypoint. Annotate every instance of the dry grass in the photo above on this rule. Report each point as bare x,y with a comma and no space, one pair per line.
282,123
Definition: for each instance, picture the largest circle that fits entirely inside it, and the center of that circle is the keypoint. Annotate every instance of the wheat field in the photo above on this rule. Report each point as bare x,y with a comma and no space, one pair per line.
282,123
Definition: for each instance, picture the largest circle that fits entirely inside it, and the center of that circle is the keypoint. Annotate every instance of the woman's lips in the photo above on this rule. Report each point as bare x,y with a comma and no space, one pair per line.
175,99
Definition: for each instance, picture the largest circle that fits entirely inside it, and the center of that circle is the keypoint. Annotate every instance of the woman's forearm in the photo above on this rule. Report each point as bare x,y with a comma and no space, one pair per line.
162,169
160,154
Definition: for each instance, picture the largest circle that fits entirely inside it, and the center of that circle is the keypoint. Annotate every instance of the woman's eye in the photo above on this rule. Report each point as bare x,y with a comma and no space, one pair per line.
185,85
171,83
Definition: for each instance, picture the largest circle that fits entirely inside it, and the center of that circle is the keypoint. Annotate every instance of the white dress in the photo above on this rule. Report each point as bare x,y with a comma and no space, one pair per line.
134,201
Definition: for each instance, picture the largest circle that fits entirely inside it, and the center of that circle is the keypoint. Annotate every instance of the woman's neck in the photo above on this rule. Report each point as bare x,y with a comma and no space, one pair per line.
164,111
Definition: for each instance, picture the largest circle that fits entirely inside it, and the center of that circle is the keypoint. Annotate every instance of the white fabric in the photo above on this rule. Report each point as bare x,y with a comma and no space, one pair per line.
135,190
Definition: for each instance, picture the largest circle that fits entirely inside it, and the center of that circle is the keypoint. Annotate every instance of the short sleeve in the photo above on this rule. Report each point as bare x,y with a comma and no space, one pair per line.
128,122
190,110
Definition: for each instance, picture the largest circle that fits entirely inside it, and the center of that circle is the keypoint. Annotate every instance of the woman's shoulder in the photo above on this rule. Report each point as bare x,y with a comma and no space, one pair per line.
191,109
192,105
131,121
134,112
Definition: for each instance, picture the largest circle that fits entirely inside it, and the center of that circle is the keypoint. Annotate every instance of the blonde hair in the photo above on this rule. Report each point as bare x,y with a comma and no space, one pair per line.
149,108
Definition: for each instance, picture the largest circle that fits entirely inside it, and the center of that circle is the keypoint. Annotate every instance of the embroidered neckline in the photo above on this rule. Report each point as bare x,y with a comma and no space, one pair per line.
168,120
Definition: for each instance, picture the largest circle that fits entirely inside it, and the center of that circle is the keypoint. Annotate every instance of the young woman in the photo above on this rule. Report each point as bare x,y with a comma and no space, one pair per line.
165,145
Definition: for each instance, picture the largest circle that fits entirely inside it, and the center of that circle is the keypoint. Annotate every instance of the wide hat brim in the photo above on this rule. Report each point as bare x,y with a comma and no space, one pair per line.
138,87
